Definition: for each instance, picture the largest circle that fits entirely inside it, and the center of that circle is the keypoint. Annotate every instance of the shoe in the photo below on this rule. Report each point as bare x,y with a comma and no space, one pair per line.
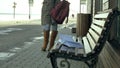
43,49
48,49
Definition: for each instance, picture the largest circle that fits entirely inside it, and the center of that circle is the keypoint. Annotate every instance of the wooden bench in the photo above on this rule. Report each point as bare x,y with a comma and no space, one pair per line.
93,42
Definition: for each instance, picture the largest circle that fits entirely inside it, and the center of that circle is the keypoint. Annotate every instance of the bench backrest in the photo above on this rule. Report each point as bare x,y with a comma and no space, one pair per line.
98,32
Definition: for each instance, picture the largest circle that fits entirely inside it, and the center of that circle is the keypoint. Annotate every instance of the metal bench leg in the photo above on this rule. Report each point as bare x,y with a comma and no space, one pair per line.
53,61
92,63
62,63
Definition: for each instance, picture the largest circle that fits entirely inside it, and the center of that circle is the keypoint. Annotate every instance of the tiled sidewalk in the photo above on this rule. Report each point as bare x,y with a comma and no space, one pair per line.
31,56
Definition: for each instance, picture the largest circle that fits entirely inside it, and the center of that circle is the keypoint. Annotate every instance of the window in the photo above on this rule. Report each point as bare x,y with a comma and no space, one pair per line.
105,4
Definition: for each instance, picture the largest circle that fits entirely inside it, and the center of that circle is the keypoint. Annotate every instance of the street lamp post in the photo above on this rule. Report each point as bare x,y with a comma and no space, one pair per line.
14,6
29,11
30,5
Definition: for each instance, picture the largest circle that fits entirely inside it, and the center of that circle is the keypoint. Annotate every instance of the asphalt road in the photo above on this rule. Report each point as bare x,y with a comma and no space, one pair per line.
16,36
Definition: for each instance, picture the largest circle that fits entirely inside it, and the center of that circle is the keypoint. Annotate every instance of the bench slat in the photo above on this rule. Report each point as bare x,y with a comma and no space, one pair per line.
96,28
94,35
92,43
99,22
102,15
87,47
79,51
71,50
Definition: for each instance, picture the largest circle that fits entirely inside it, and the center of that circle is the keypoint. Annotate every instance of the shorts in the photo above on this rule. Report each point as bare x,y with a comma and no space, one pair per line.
51,26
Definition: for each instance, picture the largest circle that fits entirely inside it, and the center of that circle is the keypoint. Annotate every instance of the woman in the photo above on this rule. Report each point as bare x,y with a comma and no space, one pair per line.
48,23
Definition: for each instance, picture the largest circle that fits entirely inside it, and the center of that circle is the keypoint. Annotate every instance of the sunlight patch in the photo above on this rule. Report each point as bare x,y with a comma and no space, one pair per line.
4,55
15,49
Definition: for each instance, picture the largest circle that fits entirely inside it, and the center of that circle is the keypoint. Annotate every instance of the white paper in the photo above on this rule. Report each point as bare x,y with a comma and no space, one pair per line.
67,40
